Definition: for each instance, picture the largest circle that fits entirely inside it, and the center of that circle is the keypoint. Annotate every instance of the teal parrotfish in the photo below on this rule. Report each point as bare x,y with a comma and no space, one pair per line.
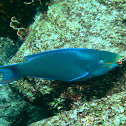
70,64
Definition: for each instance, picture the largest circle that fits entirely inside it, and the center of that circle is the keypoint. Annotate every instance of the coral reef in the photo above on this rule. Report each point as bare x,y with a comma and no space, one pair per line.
23,10
84,24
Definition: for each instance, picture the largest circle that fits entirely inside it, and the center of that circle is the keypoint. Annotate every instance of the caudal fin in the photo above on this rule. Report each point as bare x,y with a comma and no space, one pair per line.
8,74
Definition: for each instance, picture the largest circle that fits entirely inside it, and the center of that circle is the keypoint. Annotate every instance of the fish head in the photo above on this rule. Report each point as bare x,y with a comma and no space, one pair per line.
105,62
110,60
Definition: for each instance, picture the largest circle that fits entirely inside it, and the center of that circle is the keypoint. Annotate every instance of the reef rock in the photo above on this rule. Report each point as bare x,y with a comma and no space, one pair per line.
67,24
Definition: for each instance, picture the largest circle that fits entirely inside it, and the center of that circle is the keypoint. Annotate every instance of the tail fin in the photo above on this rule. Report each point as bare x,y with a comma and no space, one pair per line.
8,74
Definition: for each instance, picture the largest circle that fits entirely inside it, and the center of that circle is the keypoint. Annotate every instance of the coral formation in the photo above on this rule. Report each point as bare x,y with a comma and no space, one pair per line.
15,24
23,10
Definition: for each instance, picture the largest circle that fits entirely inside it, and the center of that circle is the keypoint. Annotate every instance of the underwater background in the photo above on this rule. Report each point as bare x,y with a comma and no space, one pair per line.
29,27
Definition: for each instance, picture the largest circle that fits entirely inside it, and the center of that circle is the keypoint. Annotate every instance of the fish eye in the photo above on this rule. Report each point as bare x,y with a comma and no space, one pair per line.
101,62
1,77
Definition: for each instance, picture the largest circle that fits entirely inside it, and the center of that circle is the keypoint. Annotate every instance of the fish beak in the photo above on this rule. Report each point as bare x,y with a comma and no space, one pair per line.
119,61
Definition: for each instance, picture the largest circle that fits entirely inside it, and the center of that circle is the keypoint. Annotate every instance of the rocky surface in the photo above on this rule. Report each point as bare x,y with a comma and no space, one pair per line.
108,111
7,50
11,105
84,24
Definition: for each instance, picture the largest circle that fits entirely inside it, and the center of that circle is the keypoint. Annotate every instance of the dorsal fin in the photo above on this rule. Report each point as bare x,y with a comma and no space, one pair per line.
29,57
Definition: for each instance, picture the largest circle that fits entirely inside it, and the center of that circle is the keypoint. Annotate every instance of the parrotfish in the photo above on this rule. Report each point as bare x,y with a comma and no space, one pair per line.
70,64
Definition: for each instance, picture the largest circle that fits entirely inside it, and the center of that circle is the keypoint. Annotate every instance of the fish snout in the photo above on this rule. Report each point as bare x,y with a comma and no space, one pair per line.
119,61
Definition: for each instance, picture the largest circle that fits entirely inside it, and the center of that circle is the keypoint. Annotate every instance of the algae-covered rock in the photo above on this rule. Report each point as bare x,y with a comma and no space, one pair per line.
7,50
118,4
11,106
73,23
108,111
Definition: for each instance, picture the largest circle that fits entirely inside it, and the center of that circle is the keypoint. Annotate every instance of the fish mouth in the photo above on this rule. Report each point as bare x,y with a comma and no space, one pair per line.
119,61
112,65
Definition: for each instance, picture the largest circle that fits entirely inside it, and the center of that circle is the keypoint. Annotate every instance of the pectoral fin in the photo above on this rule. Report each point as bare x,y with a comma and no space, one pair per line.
80,77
